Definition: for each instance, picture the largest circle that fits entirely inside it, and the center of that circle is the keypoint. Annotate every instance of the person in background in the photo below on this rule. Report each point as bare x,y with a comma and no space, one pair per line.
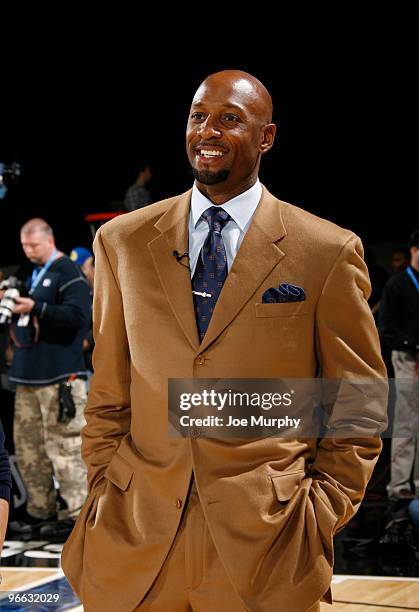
49,372
85,259
5,487
138,196
399,329
400,259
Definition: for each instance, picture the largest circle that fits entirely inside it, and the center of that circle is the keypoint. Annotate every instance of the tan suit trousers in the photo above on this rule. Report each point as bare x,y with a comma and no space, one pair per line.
193,578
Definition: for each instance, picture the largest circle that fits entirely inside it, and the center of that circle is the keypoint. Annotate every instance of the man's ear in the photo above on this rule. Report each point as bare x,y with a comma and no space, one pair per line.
267,137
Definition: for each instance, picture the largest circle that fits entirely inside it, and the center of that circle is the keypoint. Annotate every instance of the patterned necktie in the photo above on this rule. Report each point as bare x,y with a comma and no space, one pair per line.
211,268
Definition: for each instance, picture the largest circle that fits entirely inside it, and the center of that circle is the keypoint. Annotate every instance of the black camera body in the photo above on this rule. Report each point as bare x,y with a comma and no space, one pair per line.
13,288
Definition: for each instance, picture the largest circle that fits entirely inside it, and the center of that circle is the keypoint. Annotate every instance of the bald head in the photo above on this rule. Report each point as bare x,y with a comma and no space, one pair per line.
36,225
37,240
243,85
229,129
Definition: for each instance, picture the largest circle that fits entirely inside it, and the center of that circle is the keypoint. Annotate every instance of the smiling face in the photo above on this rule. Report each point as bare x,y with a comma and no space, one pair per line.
228,130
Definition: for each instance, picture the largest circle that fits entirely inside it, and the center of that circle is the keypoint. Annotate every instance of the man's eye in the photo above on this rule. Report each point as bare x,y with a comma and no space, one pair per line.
231,118
197,116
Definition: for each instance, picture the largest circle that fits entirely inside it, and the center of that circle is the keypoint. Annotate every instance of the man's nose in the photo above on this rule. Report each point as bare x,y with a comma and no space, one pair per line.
209,128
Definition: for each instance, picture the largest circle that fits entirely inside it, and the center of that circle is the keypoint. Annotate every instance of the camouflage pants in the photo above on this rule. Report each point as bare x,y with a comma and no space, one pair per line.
405,440
46,448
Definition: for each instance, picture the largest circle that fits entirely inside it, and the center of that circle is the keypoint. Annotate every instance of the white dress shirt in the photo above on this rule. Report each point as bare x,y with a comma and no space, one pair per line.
241,210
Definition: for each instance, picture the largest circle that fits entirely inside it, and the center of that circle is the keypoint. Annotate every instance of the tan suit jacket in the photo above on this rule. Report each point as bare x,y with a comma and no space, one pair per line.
272,505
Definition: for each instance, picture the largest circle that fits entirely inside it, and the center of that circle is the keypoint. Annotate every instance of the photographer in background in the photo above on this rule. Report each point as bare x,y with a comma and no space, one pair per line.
399,329
49,372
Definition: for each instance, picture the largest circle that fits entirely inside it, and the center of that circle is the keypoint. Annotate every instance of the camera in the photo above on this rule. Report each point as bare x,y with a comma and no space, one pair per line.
9,173
13,288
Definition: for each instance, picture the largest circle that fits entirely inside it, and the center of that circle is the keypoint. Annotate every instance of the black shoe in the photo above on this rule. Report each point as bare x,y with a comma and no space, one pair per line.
57,531
402,494
28,527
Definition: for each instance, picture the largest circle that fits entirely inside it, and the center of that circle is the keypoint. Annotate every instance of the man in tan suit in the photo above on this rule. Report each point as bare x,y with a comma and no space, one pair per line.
204,524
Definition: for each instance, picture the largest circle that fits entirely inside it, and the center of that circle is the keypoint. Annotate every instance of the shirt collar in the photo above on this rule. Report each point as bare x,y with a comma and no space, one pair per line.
240,208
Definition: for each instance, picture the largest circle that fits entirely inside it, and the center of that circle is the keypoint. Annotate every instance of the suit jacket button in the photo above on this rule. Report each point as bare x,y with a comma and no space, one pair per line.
200,360
178,503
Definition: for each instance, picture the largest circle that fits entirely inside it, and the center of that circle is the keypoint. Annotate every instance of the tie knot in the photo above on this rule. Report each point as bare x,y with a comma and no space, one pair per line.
216,218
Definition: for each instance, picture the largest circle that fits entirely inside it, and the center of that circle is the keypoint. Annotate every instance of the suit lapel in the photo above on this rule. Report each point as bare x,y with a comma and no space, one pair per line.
257,256
175,276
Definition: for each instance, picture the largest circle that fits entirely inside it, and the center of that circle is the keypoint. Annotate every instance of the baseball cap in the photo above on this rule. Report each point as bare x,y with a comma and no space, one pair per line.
79,255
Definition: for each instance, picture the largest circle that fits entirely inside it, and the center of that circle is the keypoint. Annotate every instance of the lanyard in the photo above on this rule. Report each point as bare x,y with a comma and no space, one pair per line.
413,277
37,276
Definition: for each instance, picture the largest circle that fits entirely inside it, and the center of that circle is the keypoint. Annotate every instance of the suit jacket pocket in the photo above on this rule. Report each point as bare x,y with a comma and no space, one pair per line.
282,309
287,484
119,472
